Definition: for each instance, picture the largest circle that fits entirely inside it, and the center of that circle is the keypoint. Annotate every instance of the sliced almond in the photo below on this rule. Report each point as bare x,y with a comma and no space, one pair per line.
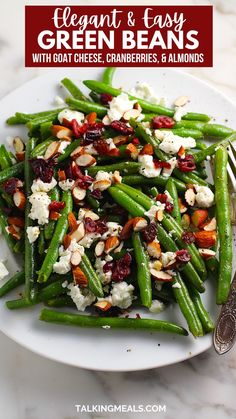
161,275
106,120
99,248
79,277
119,248
18,145
61,132
132,113
132,151
52,150
120,139
190,197
16,221
85,160
77,152
20,156
79,233
207,253
211,226
102,185
138,107
14,231
159,215
66,241
61,175
139,223
154,249
182,207
19,199
116,177
103,305
78,194
111,243
75,258
72,222
181,101
91,215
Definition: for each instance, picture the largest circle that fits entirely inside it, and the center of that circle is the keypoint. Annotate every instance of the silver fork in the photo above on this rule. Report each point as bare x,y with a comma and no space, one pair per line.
225,330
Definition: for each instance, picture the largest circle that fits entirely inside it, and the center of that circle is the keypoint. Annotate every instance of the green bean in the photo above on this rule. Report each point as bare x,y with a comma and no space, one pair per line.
34,125
61,301
73,89
99,87
200,172
93,202
95,98
19,246
122,154
193,116
60,230
188,124
187,132
127,167
158,181
171,188
50,227
187,307
52,290
45,130
217,130
189,178
86,107
12,171
165,294
67,152
4,225
188,270
41,243
31,288
52,316
139,197
200,145
108,75
154,191
224,225
126,202
40,149
143,270
203,314
5,161
94,282
12,283
23,118
209,151
212,265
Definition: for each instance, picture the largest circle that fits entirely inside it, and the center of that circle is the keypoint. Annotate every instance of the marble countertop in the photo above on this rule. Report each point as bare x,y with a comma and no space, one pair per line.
36,388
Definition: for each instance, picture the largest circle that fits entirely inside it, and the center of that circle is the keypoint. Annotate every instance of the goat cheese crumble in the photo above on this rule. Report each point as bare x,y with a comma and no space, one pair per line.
66,185
171,143
70,115
39,210
122,294
40,186
32,233
148,168
119,105
156,306
81,297
144,91
204,197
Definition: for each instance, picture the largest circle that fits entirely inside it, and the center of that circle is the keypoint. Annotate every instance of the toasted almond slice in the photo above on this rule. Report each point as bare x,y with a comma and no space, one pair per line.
106,120
132,113
103,305
75,258
79,276
111,243
61,175
116,177
17,221
99,248
91,118
66,241
78,194
211,226
190,197
154,249
61,132
181,101
91,215
120,139
132,151
18,145
160,275
205,239
102,185
138,107
72,222
127,230
19,199
20,156
52,150
207,253
14,231
77,152
182,207
119,248
159,215
139,223
85,160
79,233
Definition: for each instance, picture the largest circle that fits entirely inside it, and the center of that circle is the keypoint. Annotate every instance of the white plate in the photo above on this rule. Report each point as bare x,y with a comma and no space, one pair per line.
107,350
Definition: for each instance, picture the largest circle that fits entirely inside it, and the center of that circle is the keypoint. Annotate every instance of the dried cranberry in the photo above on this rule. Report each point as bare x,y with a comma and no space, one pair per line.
136,141
78,130
187,164
169,207
101,227
76,171
161,164
117,210
84,181
122,127
105,98
149,233
102,147
161,197
90,225
94,131
43,169
56,206
107,267
162,122
182,256
69,172
121,268
97,194
188,237
11,185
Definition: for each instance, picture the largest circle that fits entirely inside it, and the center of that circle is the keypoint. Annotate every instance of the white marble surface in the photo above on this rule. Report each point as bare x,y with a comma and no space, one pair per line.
35,388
